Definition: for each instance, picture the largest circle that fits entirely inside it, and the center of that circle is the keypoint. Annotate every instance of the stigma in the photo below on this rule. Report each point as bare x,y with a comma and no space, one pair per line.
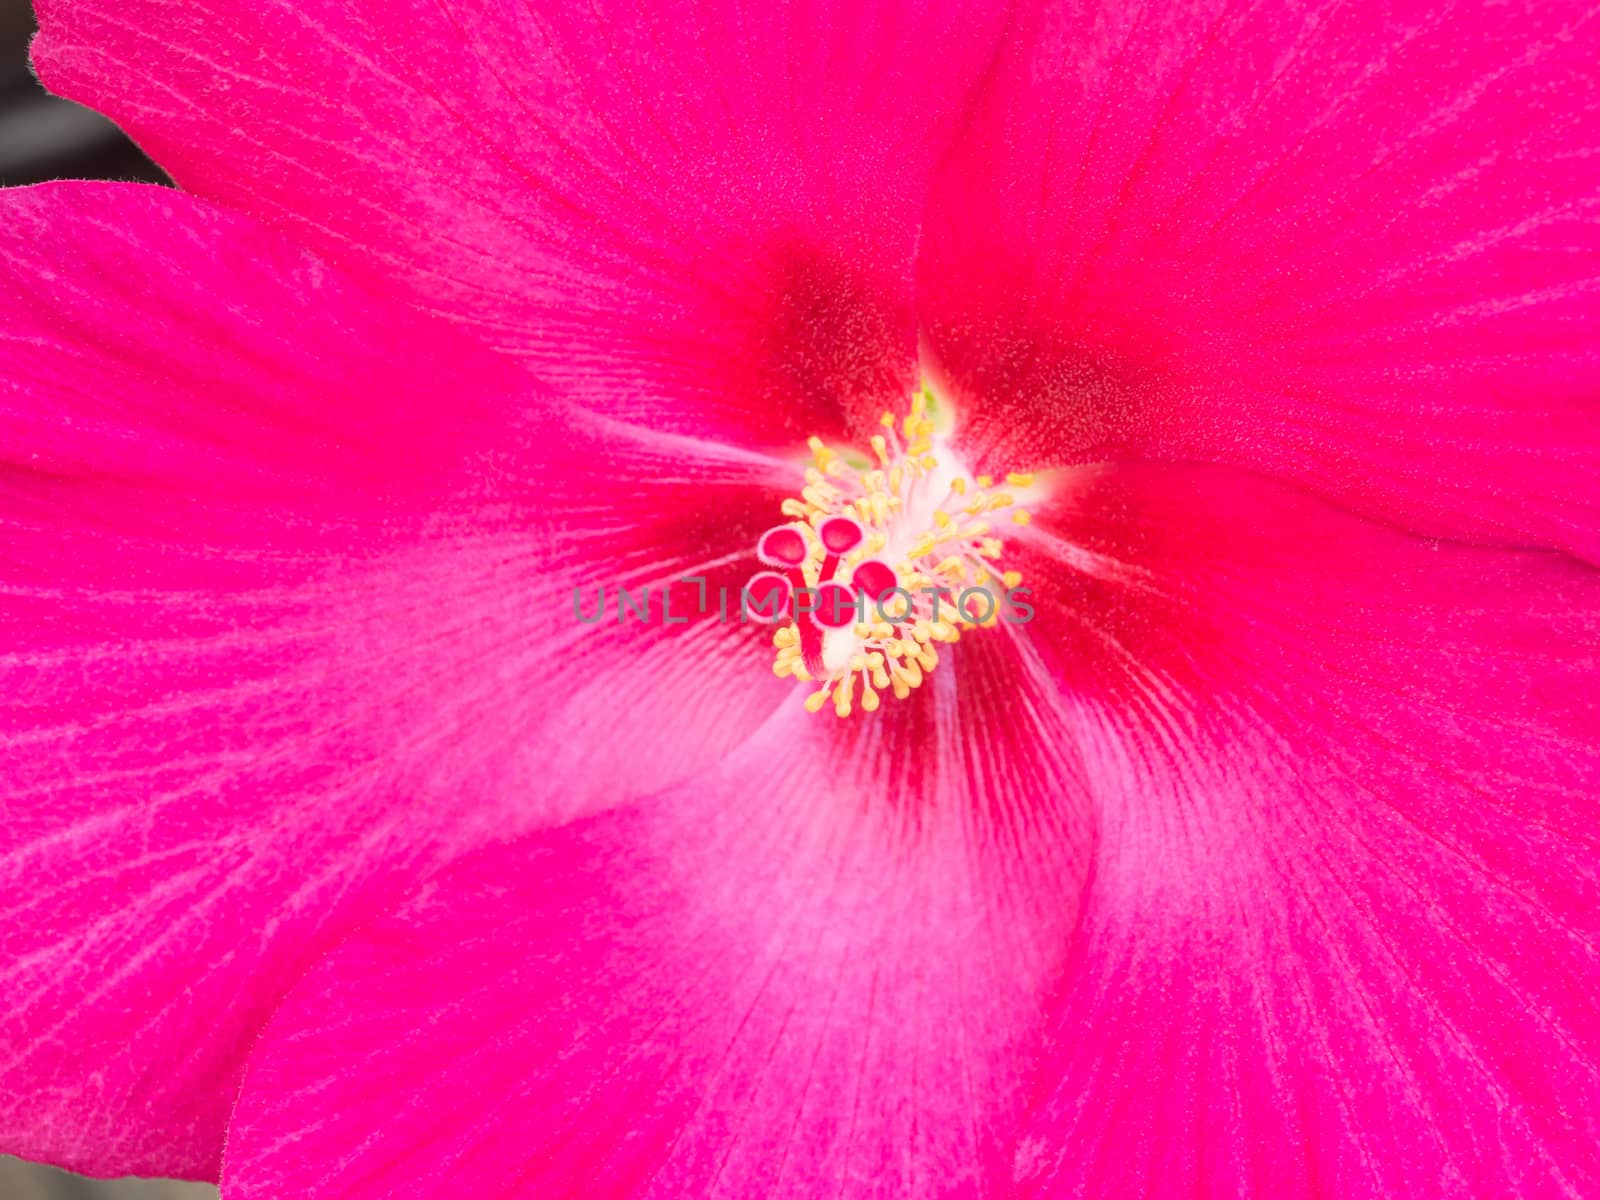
884,559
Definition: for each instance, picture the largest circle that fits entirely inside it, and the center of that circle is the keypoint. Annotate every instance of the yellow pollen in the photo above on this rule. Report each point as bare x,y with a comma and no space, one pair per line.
923,523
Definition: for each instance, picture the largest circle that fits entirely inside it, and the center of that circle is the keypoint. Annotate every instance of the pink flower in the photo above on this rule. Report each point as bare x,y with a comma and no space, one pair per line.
1261,862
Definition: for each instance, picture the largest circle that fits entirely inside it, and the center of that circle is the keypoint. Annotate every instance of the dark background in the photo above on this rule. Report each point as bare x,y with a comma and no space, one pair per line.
45,137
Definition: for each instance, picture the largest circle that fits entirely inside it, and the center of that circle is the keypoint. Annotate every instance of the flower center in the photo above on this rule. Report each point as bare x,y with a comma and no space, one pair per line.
883,559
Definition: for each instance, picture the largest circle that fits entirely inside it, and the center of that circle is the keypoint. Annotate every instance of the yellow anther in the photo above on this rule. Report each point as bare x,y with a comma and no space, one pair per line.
1021,517
934,545
1020,479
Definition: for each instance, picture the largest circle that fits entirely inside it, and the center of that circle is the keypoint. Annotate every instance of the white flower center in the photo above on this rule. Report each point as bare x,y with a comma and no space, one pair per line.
883,559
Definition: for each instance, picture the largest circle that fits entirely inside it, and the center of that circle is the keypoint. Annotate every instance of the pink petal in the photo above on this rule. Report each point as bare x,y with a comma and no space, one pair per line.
699,213
815,970
1352,245
1341,935
285,580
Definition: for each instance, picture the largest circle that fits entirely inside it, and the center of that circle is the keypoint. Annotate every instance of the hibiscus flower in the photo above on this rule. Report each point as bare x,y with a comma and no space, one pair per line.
342,859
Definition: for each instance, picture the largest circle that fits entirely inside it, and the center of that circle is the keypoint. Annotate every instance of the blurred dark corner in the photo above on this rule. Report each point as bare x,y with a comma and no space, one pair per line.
45,137
23,1181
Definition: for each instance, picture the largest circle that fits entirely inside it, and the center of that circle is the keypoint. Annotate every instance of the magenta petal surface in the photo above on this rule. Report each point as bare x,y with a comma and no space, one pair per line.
1352,245
816,970
285,582
1341,933
694,211
1325,924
